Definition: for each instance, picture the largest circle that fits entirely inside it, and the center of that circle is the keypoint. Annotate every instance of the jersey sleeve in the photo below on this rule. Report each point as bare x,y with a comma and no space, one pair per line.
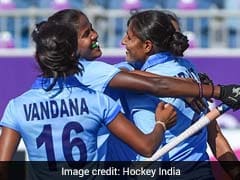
109,109
189,65
9,119
97,74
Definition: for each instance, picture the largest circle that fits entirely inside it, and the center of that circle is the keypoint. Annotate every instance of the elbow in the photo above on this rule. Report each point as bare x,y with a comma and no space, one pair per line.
149,146
148,151
148,155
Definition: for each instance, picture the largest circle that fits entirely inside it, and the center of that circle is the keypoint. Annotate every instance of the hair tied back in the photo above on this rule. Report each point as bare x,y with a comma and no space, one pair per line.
38,26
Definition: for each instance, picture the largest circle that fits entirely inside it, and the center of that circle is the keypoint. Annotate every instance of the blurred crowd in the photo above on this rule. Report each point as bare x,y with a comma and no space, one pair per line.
232,24
108,4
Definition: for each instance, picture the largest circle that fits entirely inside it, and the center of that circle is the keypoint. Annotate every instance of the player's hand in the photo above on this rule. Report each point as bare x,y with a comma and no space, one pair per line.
197,104
230,95
166,114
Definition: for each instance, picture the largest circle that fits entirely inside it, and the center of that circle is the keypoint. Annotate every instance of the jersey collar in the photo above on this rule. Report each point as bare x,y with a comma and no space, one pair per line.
70,81
157,59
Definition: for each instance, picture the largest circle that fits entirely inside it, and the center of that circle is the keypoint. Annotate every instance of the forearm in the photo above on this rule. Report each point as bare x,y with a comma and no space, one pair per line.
9,141
156,136
144,144
176,87
154,128
227,158
219,144
222,150
164,86
230,164
185,84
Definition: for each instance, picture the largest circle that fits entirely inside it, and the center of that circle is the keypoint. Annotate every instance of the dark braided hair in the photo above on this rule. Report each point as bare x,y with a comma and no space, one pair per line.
56,50
156,26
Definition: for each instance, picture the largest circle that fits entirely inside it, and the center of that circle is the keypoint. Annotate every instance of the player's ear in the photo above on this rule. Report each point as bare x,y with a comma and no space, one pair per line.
148,46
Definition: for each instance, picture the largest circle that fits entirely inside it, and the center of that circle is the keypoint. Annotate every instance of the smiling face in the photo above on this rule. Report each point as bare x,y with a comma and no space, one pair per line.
136,49
88,47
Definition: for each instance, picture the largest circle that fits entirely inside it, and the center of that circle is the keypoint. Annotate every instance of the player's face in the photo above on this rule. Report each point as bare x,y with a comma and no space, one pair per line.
88,46
135,47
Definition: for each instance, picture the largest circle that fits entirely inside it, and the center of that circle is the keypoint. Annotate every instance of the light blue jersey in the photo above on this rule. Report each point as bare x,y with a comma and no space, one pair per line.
142,108
97,75
62,124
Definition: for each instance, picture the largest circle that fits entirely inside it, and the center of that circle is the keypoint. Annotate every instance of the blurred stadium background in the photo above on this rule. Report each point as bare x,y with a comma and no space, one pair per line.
212,26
